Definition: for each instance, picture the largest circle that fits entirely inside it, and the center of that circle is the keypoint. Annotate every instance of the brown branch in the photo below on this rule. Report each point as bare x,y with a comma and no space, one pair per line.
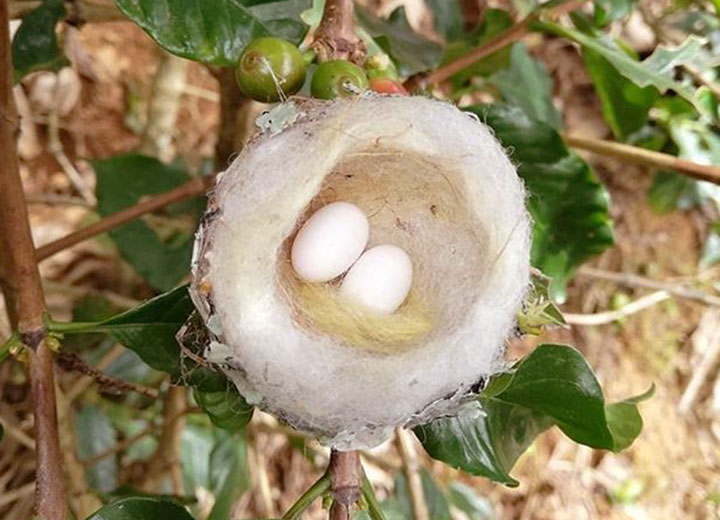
346,475
508,37
190,189
644,157
23,290
335,37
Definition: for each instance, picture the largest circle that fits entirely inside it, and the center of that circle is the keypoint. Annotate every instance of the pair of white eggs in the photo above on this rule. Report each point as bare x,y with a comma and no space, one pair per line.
332,242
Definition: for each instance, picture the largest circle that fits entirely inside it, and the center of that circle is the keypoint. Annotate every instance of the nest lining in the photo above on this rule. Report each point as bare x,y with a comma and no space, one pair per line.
433,181
416,202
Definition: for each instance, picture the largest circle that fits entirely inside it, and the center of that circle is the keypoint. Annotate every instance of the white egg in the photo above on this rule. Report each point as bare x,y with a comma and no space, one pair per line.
380,280
329,242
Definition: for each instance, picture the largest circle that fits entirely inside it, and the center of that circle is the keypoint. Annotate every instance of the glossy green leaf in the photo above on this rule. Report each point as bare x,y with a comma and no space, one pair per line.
229,475
625,421
35,46
484,439
447,18
568,205
149,329
625,106
161,253
411,52
527,84
95,434
141,508
467,500
219,398
655,70
553,385
216,31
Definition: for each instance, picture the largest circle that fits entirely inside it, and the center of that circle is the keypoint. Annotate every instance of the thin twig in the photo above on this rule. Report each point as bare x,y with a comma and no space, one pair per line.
24,295
8,497
56,148
189,190
318,489
72,362
167,455
645,157
508,37
633,280
603,318
706,340
258,472
411,468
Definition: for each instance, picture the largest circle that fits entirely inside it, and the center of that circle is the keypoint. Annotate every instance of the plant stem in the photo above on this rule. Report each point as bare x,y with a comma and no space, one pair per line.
335,37
318,489
190,189
645,157
346,474
24,295
510,36
374,509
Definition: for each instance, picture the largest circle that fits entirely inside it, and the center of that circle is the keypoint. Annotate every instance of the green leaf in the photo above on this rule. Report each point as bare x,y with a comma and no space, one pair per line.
149,329
35,46
553,385
711,248
219,398
539,310
625,421
141,508
655,70
216,31
670,191
95,435
527,84
607,11
448,18
229,475
411,52
568,204
494,22
625,106
467,500
126,491
161,254
435,499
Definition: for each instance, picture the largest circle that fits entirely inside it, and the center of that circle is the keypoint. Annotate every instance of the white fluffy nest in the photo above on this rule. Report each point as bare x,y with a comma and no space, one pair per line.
433,180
